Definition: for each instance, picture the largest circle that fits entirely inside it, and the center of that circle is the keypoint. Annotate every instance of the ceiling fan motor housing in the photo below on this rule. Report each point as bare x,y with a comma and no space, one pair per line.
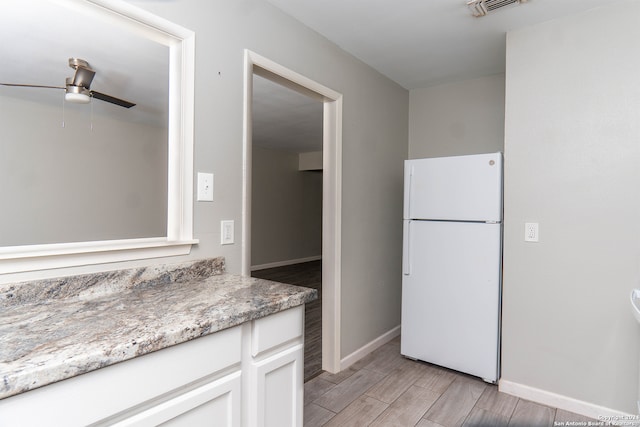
72,88
83,75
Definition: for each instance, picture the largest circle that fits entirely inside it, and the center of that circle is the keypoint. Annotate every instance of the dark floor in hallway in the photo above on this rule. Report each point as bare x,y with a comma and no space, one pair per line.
307,274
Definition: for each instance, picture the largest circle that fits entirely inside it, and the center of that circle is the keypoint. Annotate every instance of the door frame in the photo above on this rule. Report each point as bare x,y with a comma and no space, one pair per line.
331,190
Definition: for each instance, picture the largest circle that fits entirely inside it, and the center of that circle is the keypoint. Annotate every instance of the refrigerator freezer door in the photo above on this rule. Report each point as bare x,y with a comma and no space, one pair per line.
451,295
461,188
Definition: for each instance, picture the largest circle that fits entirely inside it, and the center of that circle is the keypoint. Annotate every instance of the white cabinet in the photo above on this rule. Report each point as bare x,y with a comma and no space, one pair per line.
250,375
278,388
275,383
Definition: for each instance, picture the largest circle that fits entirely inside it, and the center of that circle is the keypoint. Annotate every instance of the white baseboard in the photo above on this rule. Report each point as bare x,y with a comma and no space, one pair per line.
369,347
566,403
286,262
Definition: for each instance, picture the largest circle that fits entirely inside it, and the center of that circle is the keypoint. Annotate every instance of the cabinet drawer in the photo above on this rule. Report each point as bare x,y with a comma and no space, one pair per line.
276,329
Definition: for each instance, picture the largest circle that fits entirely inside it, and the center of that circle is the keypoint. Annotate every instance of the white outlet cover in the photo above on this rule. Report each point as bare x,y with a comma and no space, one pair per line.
205,187
531,232
226,232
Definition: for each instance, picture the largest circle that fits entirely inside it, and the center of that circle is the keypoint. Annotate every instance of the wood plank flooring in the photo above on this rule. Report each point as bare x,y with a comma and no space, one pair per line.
386,389
307,274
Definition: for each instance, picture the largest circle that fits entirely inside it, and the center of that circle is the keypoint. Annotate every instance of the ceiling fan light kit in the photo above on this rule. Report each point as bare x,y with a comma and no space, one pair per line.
76,94
77,98
481,8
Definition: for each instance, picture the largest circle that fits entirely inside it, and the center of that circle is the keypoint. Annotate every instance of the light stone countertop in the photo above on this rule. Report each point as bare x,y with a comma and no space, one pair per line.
51,330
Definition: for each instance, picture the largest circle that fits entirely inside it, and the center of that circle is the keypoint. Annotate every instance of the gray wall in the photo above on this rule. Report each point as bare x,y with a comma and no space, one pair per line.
572,154
375,117
465,117
286,208
123,193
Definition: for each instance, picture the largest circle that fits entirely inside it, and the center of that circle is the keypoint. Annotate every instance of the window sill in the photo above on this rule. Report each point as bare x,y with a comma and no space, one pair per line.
16,259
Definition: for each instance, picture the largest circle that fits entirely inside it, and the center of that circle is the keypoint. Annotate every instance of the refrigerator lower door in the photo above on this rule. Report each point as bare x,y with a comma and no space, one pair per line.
451,295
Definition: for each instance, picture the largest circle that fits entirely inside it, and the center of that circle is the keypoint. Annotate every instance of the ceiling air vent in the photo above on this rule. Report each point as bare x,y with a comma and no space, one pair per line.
482,7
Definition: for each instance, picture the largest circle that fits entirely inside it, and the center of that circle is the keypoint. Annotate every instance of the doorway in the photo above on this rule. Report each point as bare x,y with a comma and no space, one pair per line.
331,190
286,199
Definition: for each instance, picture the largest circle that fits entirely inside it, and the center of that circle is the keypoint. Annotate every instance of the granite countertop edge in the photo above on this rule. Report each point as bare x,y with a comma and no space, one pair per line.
88,334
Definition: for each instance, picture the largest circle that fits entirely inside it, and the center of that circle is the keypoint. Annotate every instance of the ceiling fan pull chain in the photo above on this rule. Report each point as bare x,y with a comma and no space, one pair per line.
91,119
63,101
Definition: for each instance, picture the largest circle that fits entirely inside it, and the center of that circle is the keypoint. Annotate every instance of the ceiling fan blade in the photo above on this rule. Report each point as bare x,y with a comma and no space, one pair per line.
23,85
111,99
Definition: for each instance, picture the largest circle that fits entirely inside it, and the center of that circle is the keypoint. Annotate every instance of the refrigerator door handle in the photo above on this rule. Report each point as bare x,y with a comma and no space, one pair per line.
408,190
635,297
406,252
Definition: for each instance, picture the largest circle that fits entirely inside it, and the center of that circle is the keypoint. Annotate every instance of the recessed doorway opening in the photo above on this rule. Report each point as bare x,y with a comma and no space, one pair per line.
331,164
286,199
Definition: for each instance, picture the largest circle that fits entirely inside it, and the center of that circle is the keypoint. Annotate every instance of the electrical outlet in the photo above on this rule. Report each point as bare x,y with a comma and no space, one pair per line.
531,232
226,232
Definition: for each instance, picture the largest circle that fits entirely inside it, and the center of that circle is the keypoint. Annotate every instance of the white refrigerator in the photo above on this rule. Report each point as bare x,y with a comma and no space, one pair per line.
452,263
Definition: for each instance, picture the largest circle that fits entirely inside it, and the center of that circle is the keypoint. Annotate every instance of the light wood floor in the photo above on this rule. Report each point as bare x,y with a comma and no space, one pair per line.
308,274
386,389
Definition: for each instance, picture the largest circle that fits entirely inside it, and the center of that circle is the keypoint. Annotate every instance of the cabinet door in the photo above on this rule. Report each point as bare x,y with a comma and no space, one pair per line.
213,404
279,389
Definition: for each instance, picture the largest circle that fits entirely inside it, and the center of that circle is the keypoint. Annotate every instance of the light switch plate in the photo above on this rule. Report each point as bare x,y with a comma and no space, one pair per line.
226,232
205,187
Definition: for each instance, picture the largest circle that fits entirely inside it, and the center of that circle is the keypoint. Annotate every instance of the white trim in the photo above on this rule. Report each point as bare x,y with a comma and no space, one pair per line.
285,263
561,402
331,192
369,347
332,236
247,160
285,75
20,259
181,43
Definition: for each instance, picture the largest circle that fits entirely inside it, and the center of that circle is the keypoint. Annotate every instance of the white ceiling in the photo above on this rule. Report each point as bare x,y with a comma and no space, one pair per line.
416,43
284,119
419,43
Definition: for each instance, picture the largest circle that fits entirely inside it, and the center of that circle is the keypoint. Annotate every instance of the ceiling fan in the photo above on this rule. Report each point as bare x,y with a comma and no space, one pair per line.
77,88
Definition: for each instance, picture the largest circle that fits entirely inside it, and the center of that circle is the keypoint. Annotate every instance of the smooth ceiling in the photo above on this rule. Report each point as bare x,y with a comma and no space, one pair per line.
284,119
416,43
420,43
